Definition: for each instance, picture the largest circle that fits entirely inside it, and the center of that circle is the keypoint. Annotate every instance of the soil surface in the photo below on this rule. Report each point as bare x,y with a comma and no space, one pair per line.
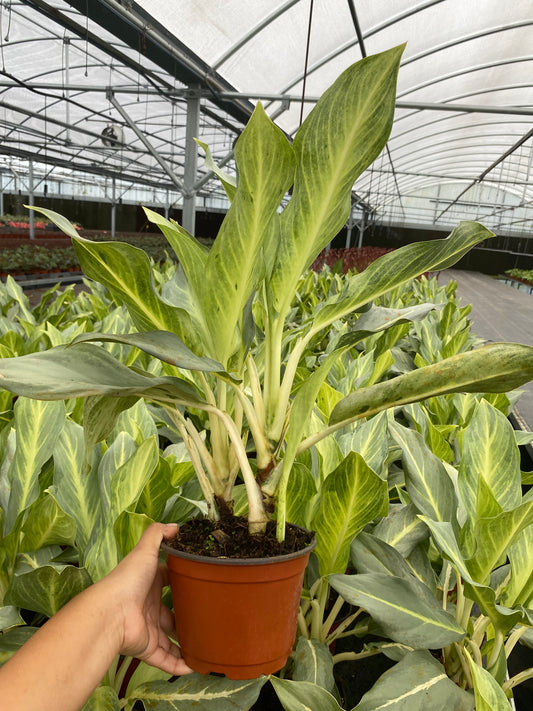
229,538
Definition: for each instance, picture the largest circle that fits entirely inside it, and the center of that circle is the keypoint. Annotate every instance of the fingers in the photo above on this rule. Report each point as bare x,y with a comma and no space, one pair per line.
156,532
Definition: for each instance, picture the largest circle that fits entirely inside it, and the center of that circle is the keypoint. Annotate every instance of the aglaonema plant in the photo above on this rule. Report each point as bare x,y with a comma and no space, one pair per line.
221,325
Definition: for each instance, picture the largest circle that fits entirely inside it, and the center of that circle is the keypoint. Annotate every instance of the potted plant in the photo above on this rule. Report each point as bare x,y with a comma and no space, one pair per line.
222,329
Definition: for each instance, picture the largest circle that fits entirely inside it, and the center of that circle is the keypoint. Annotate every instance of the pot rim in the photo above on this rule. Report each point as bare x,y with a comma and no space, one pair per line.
239,561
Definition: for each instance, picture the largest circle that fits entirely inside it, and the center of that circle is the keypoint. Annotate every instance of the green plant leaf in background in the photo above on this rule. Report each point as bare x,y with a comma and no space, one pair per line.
103,698
47,588
417,683
75,488
489,453
406,610
9,617
351,496
303,696
402,528
38,425
427,482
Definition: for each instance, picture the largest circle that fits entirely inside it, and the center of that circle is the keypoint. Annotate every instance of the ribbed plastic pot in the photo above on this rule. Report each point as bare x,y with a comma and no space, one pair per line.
236,616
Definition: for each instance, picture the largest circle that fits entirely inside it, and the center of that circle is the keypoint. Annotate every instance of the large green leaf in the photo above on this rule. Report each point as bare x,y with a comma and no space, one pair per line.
417,683
313,663
427,482
370,554
229,182
343,134
47,588
82,370
236,261
405,609
520,587
351,496
490,453
164,345
196,692
303,696
38,425
496,367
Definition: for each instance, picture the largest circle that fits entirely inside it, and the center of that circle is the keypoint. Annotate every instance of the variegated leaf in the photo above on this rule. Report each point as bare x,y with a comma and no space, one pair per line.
351,496
195,691
38,425
47,588
489,694
103,698
402,528
342,135
404,608
417,683
236,261
46,525
490,453
496,367
370,554
76,487
82,370
427,482
313,663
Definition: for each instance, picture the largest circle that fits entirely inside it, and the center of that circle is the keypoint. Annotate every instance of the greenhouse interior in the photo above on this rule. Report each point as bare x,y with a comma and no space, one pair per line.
266,355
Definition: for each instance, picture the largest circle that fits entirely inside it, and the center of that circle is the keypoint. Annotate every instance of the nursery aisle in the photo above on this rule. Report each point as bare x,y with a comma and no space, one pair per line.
499,313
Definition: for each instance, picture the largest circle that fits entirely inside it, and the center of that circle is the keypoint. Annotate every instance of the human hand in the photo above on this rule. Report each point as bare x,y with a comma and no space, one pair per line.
146,621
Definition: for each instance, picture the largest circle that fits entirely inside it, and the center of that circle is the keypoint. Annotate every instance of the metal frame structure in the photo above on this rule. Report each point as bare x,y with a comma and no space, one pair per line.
165,73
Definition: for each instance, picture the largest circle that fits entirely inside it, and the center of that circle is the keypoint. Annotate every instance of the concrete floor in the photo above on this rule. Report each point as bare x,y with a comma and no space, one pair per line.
499,313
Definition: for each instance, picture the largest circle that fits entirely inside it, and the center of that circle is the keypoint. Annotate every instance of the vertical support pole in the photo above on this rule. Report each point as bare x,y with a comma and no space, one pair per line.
362,229
349,228
167,206
113,207
30,199
66,48
191,158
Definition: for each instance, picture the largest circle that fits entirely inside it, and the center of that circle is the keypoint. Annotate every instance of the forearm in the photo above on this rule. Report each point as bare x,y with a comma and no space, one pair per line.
66,659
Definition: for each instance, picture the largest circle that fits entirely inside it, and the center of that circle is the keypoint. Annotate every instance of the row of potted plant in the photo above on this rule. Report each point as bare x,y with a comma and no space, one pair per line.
523,275
259,388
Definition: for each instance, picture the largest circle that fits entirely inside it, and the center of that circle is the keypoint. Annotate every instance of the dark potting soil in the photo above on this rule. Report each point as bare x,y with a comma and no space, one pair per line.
229,538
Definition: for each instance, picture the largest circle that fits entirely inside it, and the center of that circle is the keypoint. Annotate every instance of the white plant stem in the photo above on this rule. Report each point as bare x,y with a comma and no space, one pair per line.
255,387
513,639
257,518
262,448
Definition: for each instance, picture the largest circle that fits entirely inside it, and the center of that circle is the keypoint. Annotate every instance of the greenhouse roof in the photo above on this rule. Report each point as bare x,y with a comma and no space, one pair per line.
143,72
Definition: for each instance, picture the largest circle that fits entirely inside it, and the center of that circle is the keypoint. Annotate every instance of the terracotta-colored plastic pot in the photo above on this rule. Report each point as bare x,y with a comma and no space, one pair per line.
236,616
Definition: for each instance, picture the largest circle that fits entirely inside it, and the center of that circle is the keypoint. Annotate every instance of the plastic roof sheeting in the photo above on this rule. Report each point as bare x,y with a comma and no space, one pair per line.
476,55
